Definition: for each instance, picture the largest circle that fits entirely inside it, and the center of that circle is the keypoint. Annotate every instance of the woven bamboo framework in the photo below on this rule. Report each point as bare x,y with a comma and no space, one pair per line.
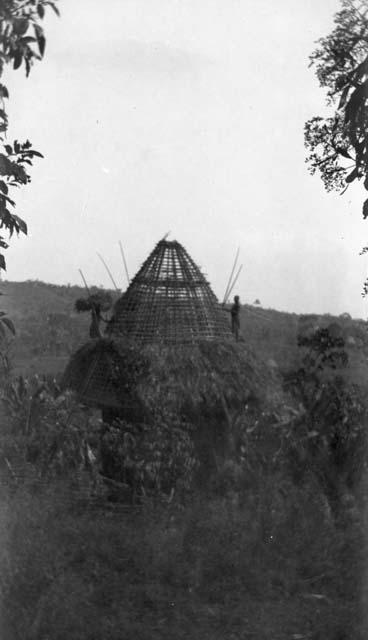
169,301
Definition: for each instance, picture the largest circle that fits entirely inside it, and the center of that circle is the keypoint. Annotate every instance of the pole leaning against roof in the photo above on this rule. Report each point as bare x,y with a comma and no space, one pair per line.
124,262
234,282
108,271
226,294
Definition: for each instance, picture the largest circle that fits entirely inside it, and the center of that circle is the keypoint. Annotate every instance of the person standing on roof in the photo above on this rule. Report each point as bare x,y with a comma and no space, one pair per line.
235,317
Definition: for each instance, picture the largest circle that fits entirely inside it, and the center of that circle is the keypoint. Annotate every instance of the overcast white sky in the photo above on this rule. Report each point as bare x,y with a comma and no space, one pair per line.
185,115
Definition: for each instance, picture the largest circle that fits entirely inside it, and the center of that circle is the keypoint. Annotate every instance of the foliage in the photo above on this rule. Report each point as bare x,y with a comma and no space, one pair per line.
325,347
188,394
338,144
22,42
149,460
47,430
329,434
256,548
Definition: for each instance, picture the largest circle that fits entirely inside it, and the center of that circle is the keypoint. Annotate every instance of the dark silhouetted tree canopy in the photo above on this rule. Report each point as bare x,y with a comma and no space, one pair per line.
338,144
22,41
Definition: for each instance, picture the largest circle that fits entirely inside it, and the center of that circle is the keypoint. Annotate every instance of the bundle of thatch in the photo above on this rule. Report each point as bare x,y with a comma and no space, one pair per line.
98,302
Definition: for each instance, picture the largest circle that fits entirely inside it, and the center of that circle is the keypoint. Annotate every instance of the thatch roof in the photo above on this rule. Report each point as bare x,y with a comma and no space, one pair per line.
118,374
169,301
104,373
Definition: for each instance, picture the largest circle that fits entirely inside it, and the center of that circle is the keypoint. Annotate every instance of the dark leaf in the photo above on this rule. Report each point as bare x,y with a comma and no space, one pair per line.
28,66
19,173
20,26
3,187
5,165
365,209
38,30
18,58
2,262
41,10
28,40
37,153
41,44
4,93
20,224
54,7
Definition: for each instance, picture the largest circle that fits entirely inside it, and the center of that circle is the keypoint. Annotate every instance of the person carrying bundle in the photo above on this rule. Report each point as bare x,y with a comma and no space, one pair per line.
96,303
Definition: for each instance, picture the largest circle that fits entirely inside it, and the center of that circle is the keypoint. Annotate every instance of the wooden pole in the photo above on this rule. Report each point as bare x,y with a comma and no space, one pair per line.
108,271
124,262
226,294
84,282
234,283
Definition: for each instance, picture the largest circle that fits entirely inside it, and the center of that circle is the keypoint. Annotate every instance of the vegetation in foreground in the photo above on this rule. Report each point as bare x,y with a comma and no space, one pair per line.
269,543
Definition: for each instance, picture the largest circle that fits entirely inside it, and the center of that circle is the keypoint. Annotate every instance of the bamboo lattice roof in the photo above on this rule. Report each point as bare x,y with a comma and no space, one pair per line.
169,301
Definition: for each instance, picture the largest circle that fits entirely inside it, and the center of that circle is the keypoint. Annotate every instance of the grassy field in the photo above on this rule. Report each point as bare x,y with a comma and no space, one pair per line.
261,550
83,570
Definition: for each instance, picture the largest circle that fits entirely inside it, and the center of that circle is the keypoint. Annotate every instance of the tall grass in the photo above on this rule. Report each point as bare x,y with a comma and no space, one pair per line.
266,560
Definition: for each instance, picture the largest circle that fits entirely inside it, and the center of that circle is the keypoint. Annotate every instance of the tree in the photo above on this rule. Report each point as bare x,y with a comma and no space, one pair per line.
22,41
338,144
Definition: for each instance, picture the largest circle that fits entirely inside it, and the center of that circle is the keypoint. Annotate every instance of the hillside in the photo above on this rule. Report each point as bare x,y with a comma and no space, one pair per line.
49,330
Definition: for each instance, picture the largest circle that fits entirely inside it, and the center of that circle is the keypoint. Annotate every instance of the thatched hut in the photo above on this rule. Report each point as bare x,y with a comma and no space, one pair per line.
169,301
169,356
168,304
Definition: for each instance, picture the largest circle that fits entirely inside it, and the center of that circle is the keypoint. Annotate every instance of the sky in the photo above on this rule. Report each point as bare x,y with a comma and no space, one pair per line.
185,116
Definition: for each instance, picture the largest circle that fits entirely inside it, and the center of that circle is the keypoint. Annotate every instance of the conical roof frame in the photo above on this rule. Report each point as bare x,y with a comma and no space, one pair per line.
170,301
